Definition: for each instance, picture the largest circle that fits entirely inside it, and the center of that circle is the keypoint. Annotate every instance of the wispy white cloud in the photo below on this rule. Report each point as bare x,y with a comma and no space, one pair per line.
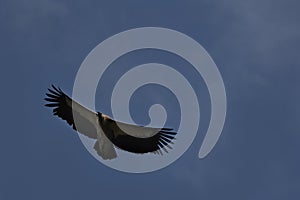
260,37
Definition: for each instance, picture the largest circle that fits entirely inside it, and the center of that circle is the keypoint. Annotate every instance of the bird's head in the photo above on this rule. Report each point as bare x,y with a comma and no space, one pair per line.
99,114
102,117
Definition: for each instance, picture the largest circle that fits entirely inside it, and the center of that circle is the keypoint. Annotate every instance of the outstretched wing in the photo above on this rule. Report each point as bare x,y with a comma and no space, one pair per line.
132,138
62,107
138,139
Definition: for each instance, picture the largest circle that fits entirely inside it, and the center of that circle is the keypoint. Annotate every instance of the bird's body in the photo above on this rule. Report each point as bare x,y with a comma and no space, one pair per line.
106,131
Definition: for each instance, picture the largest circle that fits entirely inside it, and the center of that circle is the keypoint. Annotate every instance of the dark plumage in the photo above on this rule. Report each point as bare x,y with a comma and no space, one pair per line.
132,138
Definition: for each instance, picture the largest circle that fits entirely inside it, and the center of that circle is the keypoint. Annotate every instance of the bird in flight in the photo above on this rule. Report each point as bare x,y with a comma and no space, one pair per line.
107,132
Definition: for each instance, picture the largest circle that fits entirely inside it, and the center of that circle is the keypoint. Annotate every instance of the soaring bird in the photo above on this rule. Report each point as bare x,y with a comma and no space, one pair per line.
107,132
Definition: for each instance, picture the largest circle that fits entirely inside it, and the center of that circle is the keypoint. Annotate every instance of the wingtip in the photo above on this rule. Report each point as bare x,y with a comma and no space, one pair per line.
56,88
167,129
47,105
51,104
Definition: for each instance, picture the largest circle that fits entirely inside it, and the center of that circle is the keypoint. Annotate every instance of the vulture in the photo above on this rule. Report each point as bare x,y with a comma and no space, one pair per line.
107,132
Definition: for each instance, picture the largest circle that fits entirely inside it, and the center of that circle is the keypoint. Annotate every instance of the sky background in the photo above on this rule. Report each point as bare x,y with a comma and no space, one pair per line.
255,45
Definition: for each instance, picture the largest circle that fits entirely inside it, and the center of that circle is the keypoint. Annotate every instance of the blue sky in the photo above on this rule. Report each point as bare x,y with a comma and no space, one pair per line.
255,46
